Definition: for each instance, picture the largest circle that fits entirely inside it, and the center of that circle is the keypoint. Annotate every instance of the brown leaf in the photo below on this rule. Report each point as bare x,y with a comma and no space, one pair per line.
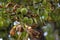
1,6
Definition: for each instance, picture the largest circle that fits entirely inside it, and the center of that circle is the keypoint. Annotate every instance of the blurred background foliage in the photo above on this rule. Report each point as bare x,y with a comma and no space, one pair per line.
46,12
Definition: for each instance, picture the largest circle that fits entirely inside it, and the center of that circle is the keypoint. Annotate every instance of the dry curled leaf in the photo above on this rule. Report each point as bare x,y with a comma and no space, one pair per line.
15,7
10,4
